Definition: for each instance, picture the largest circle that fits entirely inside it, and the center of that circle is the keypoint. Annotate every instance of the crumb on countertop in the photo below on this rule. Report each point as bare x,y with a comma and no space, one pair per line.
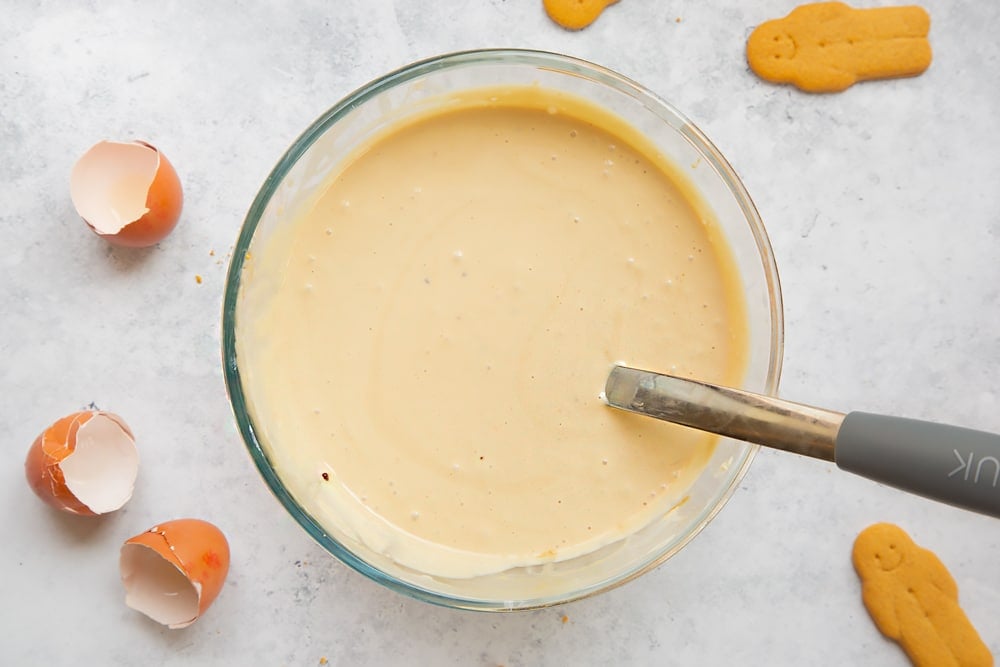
322,660
565,618
197,278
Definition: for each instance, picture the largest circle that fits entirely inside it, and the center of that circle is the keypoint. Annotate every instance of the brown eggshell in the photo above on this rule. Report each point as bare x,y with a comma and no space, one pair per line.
85,463
127,192
174,571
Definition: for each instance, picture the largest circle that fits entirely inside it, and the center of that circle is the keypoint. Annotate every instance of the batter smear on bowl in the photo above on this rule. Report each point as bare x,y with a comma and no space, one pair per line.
427,343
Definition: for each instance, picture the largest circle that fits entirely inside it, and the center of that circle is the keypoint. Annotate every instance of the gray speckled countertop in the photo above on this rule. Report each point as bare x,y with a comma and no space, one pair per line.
883,206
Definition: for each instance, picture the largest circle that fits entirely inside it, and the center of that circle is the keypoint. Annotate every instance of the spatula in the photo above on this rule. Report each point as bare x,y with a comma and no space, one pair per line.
951,464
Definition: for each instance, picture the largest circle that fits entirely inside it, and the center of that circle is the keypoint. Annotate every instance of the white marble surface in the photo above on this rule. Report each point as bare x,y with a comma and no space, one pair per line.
883,205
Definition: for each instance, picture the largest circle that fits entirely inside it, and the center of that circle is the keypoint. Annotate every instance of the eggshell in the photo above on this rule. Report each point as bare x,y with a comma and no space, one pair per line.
85,463
127,192
174,571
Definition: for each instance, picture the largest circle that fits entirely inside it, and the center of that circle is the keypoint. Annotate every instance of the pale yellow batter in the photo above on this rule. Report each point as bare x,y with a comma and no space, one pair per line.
427,346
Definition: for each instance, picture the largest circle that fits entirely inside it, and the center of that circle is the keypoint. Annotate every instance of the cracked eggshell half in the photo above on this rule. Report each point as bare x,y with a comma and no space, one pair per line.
85,463
127,192
174,571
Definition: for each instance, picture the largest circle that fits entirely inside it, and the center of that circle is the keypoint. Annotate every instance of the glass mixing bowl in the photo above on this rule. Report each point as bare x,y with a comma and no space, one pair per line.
297,181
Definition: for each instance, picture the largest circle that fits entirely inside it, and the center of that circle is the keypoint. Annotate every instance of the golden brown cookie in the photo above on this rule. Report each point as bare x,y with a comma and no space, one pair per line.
575,14
913,599
826,47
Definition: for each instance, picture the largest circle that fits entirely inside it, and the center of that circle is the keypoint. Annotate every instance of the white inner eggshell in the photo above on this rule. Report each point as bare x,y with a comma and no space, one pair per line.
102,469
158,588
110,183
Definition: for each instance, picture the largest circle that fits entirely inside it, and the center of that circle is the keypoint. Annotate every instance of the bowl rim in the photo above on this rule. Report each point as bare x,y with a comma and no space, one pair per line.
542,59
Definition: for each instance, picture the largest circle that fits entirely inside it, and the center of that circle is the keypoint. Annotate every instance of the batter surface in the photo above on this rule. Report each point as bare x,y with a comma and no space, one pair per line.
427,345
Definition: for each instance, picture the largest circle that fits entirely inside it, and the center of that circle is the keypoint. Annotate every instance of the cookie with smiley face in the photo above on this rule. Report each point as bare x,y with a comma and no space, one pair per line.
827,47
913,600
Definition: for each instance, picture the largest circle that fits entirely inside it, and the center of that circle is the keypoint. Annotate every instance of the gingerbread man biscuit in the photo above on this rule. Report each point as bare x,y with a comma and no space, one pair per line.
828,46
913,599
575,14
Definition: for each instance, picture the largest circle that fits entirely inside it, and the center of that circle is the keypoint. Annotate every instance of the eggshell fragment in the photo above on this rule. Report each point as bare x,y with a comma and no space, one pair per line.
85,463
174,571
127,192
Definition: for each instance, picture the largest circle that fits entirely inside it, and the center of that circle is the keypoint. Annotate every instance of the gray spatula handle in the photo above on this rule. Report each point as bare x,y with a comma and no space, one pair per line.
952,464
